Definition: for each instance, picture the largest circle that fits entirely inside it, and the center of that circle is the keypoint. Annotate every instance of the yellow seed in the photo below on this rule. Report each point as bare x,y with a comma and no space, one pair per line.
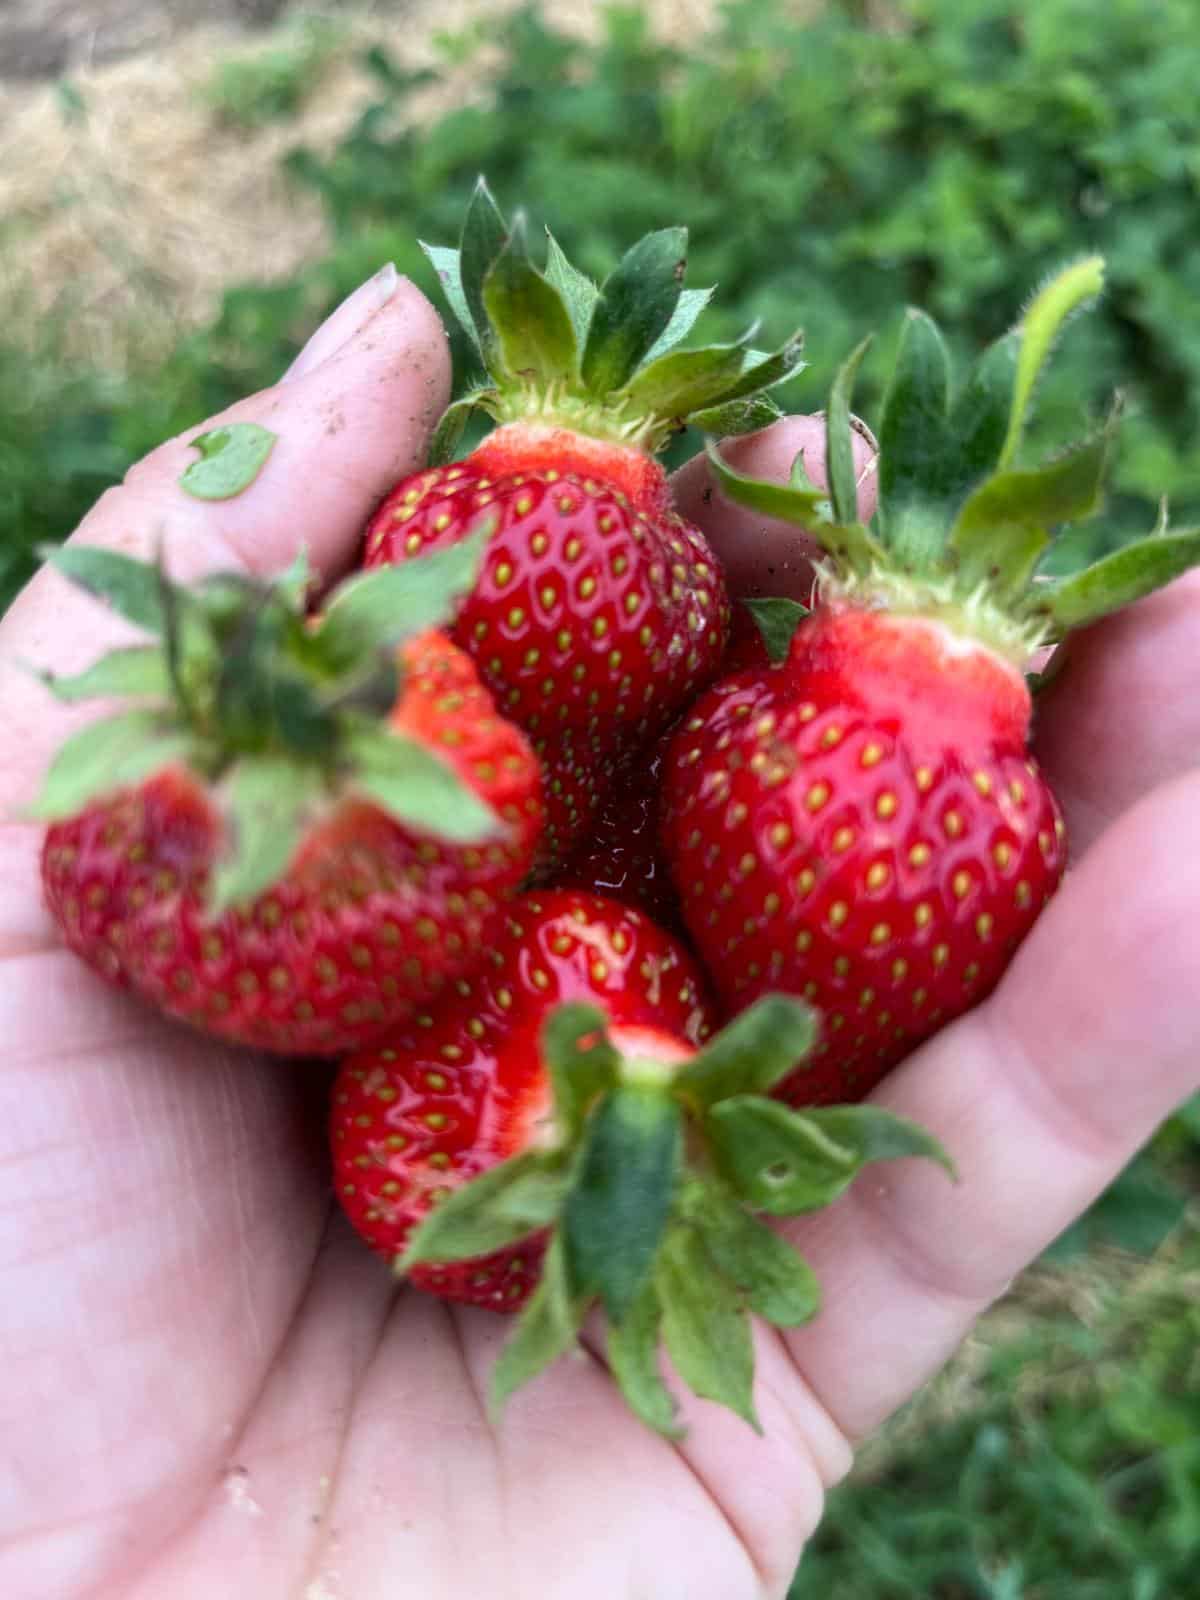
982,782
504,573
872,755
803,940
866,998
899,970
805,881
838,912
831,737
923,915
984,923
886,805
960,884
780,835
817,796
842,966
952,822
843,839
881,933
806,712
919,855
941,954
1002,855
877,876
924,779
1024,894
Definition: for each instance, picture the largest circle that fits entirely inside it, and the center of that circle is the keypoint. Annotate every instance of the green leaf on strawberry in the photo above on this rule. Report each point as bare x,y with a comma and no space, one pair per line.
658,1228
280,713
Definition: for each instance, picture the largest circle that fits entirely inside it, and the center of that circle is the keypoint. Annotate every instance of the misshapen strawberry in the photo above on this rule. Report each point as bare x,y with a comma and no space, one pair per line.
864,825
562,1125
261,848
599,611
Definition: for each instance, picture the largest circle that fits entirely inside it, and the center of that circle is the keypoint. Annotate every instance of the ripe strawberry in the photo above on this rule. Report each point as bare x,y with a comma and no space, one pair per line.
557,1135
621,855
463,1087
865,826
260,853
599,611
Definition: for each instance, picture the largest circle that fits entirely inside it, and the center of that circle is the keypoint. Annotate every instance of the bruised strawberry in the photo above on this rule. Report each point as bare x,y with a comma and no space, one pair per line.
599,611
865,825
257,852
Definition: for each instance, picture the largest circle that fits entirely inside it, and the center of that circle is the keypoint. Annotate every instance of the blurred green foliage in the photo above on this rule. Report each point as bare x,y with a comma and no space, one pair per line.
1068,1468
271,84
830,173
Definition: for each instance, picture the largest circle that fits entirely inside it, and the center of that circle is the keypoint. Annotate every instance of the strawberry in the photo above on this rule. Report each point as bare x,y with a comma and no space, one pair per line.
560,1134
254,849
621,855
865,825
599,610
461,1088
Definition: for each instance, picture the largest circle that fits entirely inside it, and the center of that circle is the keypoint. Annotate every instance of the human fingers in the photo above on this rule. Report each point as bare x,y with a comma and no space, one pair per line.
1123,715
1041,1095
346,428
762,556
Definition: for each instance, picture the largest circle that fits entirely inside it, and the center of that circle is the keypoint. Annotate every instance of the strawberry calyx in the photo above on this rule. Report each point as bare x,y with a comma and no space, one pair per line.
602,360
649,1187
278,714
962,533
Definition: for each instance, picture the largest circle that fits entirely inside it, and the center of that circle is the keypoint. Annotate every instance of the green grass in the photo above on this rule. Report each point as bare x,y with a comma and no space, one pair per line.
1058,1458
272,84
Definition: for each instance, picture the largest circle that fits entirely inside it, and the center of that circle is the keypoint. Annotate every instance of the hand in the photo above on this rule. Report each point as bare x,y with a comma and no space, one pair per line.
209,1388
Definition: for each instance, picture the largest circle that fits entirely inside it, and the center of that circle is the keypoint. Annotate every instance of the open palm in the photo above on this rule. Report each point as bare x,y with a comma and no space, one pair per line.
209,1388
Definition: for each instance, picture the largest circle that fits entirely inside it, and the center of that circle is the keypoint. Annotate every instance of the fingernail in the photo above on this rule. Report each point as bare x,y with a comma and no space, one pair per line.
341,325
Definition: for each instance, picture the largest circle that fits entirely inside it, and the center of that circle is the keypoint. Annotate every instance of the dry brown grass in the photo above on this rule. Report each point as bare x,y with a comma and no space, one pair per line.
128,221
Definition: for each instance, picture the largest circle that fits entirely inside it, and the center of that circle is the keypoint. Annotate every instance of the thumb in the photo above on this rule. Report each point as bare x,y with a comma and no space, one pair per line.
760,555
348,421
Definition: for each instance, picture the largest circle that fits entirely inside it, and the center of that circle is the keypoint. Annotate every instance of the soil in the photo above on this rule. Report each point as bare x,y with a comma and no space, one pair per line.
47,38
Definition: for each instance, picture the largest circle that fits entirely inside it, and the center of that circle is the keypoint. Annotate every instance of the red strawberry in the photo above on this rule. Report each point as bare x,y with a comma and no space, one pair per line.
464,1087
599,611
621,855
558,1127
865,826
295,884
